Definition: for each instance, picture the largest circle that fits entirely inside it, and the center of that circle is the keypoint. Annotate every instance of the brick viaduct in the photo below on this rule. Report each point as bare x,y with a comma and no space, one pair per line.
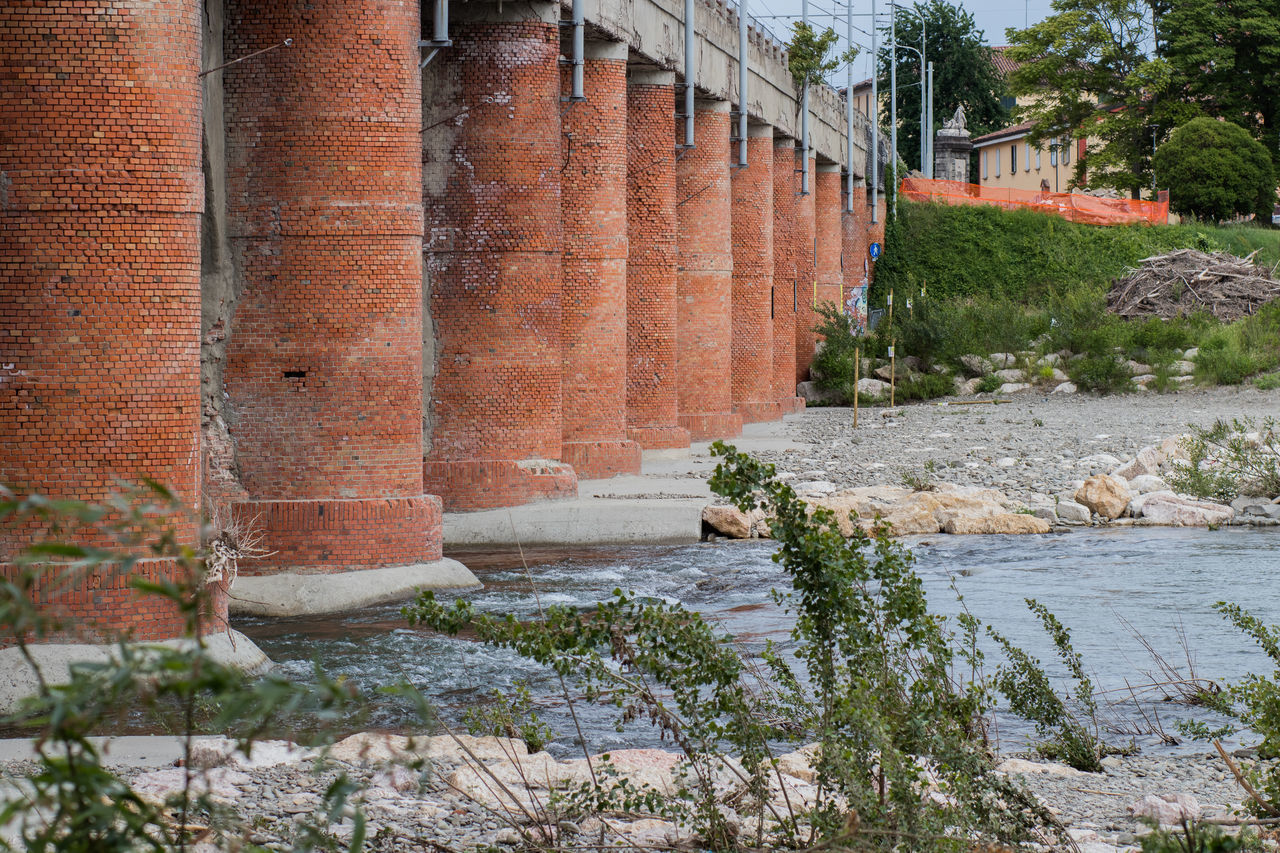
335,293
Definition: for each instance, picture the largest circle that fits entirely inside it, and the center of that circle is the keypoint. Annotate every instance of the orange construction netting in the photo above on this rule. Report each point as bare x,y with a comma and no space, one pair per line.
1070,206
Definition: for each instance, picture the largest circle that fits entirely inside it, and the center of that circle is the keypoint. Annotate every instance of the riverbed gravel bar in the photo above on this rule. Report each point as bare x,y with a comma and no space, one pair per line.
1030,444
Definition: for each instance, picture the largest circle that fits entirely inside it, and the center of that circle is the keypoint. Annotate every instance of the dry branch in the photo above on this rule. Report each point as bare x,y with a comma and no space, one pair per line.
1226,286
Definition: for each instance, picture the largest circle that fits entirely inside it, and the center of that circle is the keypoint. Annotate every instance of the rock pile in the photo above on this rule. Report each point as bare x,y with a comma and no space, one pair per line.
936,508
1118,492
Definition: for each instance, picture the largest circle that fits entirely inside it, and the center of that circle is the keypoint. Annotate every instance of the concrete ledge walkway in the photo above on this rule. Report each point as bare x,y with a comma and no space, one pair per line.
18,680
661,505
316,594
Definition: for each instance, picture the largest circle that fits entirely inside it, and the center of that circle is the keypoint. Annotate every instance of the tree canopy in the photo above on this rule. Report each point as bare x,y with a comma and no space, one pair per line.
1216,171
1090,76
963,74
1225,58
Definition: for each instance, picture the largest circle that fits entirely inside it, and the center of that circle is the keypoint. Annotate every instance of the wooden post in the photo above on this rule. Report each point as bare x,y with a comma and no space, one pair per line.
893,373
857,365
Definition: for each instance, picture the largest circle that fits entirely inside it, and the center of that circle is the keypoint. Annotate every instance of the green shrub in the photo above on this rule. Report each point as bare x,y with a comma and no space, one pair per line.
868,674
1269,382
1216,171
1100,372
989,384
1224,461
1258,698
1070,732
1222,359
925,386
1198,837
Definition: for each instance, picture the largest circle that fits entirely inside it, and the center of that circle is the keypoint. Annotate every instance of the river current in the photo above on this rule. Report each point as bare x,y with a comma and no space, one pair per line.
1106,586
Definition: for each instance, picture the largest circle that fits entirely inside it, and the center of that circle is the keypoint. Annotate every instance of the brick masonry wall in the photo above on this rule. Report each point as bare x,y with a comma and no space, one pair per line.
594,302
103,607
100,196
828,201
806,275
651,268
786,186
704,279
752,342
857,264
324,357
493,247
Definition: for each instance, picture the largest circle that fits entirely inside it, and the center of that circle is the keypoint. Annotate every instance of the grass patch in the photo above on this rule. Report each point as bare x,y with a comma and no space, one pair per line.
1022,254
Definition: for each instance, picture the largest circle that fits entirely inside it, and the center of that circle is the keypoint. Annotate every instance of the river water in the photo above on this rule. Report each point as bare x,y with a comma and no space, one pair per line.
1161,582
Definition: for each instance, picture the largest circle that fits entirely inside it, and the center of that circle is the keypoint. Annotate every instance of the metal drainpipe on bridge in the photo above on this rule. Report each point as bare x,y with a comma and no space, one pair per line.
439,33
743,70
689,73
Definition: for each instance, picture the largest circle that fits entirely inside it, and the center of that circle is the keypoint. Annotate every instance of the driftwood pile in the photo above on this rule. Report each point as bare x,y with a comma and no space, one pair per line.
1187,281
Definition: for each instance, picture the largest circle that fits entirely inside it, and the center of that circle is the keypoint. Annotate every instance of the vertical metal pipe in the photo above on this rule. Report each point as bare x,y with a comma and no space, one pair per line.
689,73
804,118
873,169
926,157
440,29
893,102
848,108
929,120
742,83
579,27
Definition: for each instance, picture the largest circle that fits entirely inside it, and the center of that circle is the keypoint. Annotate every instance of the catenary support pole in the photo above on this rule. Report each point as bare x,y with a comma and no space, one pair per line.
742,83
804,117
848,109
873,167
929,122
893,102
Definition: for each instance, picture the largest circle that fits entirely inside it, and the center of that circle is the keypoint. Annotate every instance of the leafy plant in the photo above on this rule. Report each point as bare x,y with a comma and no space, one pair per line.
989,384
1230,458
1106,373
1070,729
1216,171
73,801
510,716
808,54
1269,382
900,748
1197,837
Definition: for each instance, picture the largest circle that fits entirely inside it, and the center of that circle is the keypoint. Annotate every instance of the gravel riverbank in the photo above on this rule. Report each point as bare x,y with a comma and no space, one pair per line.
447,806
1035,444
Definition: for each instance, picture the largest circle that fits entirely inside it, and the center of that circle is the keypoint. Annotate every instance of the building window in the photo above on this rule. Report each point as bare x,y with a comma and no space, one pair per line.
1013,159
1066,152
996,152
984,165
1027,152
1053,152
1038,159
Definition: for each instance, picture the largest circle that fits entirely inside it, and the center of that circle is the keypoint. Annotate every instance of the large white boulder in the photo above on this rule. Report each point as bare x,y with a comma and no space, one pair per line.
1163,508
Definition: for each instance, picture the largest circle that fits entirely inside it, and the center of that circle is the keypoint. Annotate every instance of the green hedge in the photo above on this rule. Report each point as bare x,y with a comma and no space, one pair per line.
1024,256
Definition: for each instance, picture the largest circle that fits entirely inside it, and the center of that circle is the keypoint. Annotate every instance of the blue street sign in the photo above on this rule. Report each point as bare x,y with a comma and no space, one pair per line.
874,250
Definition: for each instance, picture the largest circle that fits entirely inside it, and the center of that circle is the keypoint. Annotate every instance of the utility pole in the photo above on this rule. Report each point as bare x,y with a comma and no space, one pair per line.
848,107
873,169
804,118
893,100
929,121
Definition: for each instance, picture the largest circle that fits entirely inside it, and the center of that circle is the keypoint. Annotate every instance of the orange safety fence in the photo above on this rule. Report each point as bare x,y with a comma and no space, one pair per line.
1070,206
